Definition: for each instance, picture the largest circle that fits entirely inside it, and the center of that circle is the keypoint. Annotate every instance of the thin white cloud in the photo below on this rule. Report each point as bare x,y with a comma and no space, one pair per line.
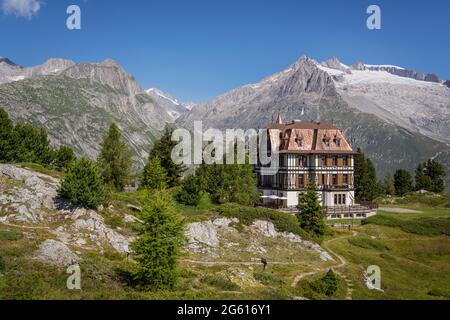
21,8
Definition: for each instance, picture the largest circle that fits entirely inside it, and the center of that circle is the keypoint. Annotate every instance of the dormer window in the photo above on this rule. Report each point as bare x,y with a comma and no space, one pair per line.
337,141
326,140
299,142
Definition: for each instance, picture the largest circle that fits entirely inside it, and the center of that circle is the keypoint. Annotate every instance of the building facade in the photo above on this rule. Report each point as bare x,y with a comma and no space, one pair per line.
311,152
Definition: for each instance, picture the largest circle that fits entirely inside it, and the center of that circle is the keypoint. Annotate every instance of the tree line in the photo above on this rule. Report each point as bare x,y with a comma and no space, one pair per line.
23,143
429,176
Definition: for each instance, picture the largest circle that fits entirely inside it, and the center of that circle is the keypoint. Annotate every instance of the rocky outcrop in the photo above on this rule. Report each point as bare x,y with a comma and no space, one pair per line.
30,198
207,237
56,253
267,229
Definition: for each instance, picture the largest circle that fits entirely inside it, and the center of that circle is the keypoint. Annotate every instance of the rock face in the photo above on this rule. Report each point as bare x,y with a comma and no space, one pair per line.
56,253
27,197
397,121
27,201
171,104
76,103
267,229
207,237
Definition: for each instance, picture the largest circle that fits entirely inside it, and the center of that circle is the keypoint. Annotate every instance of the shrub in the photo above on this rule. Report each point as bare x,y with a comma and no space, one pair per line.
267,279
63,157
190,193
2,265
439,293
83,185
322,288
221,282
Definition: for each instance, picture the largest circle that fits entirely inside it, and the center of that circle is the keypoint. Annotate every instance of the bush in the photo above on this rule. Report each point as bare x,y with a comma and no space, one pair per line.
83,184
221,282
267,279
190,193
439,293
63,157
322,288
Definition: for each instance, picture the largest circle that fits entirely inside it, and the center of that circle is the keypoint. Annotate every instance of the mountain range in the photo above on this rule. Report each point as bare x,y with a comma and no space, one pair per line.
397,116
77,102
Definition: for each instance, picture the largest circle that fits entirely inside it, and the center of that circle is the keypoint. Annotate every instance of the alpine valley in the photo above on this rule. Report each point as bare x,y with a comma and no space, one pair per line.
398,117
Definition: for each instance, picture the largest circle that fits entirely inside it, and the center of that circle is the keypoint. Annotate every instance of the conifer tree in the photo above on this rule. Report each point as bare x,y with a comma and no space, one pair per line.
402,182
389,186
31,145
191,192
82,184
163,150
154,175
114,159
423,182
436,174
6,132
63,157
158,246
311,216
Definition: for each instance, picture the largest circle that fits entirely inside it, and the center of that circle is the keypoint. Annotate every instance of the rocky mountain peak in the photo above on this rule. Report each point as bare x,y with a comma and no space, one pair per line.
4,60
335,63
358,65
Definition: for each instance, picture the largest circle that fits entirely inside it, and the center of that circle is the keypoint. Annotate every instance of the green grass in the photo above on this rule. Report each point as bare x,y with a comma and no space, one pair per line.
41,169
428,226
267,279
10,235
368,244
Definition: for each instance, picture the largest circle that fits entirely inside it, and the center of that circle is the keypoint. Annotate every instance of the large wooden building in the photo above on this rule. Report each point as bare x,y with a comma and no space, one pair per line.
311,151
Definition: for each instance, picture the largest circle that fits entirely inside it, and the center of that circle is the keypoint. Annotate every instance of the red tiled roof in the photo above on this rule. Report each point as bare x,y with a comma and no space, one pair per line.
309,137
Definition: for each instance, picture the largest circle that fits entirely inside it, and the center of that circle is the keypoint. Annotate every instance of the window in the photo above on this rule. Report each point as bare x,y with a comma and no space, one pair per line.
299,142
301,181
345,179
335,179
344,199
345,161
335,161
336,200
338,142
323,159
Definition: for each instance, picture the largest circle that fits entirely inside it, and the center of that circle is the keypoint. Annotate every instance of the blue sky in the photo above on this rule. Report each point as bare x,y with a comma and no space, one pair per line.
198,49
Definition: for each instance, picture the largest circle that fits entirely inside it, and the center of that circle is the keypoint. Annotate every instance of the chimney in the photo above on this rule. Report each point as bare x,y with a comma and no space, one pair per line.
279,120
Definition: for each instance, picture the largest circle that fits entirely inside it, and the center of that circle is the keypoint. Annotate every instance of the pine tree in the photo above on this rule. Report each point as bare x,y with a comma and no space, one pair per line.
6,132
367,187
154,175
191,192
163,150
423,182
31,145
436,173
114,159
402,182
63,157
82,184
158,247
389,186
311,216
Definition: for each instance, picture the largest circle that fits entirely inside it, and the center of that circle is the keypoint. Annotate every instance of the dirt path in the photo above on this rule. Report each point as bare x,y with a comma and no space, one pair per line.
342,263
24,227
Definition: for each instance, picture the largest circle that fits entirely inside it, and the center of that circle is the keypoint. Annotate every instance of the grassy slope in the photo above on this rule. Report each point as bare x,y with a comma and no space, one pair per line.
412,264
